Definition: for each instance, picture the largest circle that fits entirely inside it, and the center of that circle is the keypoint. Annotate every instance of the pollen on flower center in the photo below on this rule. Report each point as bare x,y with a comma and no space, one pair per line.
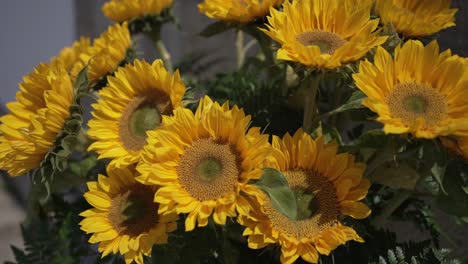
133,211
412,101
142,114
208,169
317,205
327,42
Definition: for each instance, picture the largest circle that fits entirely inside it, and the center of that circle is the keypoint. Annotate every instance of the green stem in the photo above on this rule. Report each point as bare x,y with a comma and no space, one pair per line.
264,42
155,35
240,49
391,207
310,106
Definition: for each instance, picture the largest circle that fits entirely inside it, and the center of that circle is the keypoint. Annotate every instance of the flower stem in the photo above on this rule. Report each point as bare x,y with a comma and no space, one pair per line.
155,35
310,107
240,48
264,42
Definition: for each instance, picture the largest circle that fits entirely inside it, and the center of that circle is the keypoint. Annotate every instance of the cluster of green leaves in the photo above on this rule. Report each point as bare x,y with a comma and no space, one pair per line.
54,238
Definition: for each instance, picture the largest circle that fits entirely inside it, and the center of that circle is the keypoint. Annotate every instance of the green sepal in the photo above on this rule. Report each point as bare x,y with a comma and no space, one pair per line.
455,200
282,198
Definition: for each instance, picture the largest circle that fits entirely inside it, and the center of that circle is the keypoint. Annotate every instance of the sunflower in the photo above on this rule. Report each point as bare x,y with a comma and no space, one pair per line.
204,162
35,119
419,91
327,187
69,56
323,33
125,219
122,10
456,145
416,18
238,11
106,54
135,100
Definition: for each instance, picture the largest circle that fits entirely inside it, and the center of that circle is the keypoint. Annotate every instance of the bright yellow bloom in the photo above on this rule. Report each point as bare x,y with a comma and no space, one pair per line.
327,187
69,56
419,91
324,33
106,54
122,10
125,218
29,131
416,18
457,145
204,161
239,11
135,100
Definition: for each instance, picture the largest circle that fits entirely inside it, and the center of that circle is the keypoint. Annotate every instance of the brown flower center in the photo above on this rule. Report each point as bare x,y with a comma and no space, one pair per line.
133,211
411,101
327,42
142,114
317,205
209,169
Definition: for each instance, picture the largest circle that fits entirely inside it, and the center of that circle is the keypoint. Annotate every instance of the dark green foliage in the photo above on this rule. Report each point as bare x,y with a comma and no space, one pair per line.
259,95
426,256
54,238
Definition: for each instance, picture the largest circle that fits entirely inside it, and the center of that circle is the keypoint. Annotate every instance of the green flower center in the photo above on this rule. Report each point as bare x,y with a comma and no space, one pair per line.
413,101
144,119
415,104
142,114
209,169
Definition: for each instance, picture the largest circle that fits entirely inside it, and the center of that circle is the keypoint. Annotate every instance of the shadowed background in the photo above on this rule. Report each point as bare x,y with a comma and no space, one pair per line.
34,31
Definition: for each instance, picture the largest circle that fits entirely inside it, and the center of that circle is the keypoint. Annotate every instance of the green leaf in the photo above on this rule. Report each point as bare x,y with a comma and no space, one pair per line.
455,201
435,159
374,139
215,29
396,175
354,102
274,183
81,82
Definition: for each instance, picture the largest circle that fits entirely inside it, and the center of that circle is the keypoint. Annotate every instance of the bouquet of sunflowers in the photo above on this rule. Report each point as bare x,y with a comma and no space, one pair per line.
341,116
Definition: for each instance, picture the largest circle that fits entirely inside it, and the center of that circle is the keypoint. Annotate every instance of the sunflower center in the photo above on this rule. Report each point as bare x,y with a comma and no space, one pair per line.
412,101
133,211
142,114
209,169
317,205
327,42
143,119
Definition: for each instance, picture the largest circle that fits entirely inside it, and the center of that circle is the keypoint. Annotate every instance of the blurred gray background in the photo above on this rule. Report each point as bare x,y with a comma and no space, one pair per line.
34,31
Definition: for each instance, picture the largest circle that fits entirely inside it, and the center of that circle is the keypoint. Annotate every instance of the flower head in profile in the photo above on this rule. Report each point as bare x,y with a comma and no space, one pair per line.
326,185
416,18
36,118
419,91
124,218
322,33
124,10
106,54
204,162
69,56
134,101
237,11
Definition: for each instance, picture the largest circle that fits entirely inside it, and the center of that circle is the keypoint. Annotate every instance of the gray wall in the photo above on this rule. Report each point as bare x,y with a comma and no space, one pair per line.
32,32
